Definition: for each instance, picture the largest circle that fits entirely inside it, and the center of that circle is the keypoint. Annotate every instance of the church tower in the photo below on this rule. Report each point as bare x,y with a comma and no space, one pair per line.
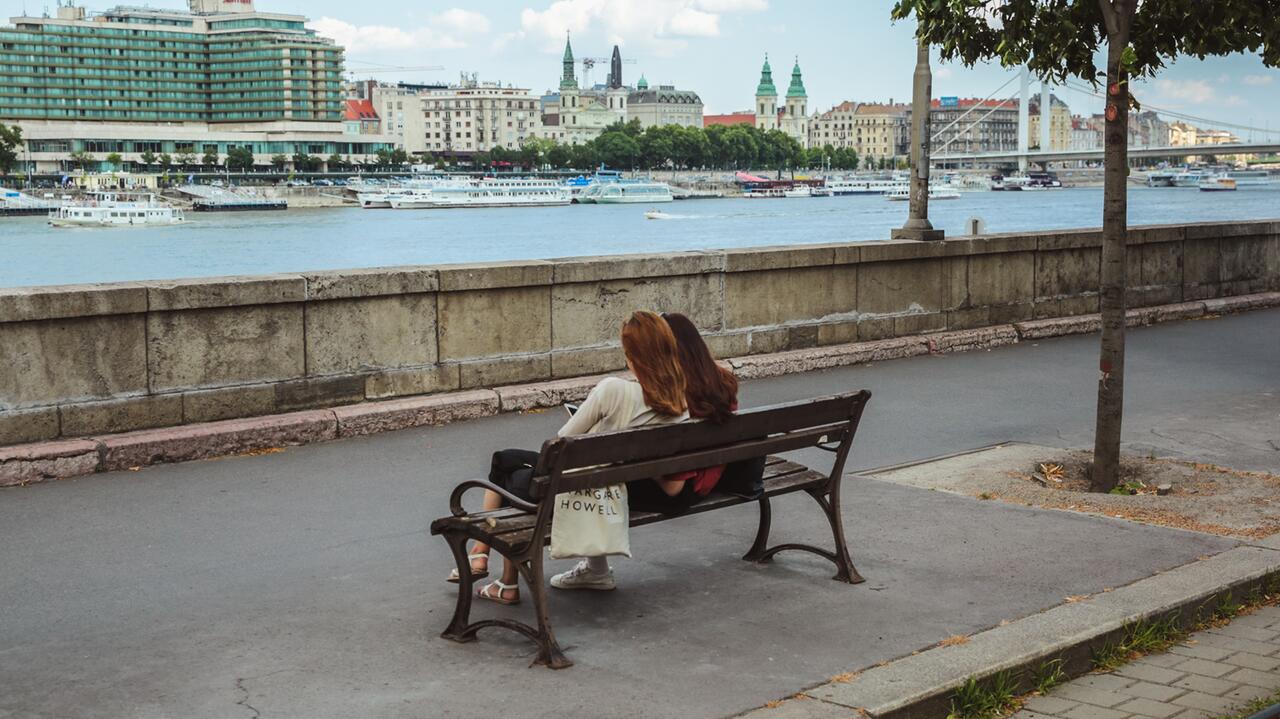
766,99
615,93
568,90
795,120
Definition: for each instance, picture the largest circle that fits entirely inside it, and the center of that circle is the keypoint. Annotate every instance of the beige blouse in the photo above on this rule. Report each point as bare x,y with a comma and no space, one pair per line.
614,404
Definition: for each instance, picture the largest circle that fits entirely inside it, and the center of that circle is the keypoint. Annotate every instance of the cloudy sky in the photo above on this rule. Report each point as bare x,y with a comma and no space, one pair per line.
848,50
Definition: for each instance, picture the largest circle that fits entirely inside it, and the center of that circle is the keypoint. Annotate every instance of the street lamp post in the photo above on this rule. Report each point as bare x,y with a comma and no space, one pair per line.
918,226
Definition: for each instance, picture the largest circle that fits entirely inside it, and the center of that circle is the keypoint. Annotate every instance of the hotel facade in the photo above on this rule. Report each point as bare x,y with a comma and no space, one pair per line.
135,80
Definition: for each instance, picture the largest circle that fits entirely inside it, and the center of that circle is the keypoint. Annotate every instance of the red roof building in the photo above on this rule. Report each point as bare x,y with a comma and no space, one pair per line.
359,118
733,118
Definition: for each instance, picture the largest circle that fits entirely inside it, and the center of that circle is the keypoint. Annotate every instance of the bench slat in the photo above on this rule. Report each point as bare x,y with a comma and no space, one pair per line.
515,541
661,467
648,443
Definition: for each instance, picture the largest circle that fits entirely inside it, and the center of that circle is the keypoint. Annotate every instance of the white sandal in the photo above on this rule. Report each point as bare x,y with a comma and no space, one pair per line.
453,574
483,593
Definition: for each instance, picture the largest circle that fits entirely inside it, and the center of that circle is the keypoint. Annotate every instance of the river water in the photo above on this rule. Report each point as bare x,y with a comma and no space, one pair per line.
32,253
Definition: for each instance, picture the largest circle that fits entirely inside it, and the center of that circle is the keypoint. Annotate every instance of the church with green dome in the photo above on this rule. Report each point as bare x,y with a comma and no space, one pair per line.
792,117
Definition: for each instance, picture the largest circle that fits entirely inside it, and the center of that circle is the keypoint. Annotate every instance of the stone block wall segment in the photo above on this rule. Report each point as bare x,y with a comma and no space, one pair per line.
215,439
573,270
44,461
373,282
25,304
90,359
196,349
121,415
587,314
494,322
370,333
225,292
74,359
775,297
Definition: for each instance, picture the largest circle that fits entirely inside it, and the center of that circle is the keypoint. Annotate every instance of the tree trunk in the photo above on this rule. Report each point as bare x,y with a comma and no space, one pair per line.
1106,443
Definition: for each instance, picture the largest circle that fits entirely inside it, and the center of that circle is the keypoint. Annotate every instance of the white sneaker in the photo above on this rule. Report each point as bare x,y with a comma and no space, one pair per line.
581,577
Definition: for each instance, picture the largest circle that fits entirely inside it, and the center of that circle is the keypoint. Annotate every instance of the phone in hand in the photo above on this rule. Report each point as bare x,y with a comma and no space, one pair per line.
571,408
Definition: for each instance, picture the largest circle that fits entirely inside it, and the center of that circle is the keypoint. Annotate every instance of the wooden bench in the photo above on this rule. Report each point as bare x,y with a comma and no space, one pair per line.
566,464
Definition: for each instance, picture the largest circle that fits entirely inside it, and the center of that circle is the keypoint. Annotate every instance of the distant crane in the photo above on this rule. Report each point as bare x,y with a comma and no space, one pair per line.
382,68
589,64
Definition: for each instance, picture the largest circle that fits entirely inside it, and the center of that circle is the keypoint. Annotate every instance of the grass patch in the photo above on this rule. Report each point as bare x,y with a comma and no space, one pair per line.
987,699
1047,676
1139,638
1253,707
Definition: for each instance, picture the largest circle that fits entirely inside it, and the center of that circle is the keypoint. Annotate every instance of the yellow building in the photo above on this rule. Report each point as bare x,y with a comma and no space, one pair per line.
870,129
1059,125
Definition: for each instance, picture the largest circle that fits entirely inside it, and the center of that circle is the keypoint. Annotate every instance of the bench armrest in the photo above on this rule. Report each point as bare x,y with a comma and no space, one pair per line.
455,499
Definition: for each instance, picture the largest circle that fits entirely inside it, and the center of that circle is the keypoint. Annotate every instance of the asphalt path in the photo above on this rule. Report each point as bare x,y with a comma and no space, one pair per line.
304,583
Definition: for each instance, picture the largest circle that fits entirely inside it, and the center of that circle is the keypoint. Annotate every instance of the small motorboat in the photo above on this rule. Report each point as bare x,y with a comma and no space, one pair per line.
657,215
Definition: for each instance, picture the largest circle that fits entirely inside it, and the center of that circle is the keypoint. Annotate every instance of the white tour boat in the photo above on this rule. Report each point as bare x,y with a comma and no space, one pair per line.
1245,178
627,192
902,194
1188,178
843,187
485,193
798,191
1217,183
116,209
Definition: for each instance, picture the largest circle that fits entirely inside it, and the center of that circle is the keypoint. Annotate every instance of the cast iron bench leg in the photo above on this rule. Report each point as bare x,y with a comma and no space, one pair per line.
756,553
549,653
457,630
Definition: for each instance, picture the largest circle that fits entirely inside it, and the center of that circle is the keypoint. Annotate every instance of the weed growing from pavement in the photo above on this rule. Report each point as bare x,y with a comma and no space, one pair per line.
1142,637
987,699
1047,676
1254,707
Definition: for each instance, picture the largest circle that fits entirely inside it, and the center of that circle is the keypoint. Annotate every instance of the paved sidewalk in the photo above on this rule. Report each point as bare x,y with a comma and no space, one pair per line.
1213,673
304,584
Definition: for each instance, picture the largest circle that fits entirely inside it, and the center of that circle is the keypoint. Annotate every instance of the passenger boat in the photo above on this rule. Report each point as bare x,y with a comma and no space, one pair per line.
1188,178
1160,179
1217,183
798,191
1246,178
842,187
116,209
626,191
903,194
485,193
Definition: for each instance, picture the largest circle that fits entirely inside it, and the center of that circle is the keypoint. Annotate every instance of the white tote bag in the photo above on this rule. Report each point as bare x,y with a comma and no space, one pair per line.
591,523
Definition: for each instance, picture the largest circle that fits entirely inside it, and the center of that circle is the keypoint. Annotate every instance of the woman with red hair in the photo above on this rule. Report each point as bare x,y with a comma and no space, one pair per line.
657,396
711,392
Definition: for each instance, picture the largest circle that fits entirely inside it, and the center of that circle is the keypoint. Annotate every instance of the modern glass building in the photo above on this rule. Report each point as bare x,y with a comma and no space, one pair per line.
222,62
135,80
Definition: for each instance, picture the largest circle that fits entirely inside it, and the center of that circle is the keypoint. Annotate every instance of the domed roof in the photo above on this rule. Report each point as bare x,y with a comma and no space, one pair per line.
766,80
797,84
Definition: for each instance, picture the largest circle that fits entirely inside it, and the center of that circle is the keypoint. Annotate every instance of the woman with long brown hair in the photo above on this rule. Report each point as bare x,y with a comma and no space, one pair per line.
711,392
656,396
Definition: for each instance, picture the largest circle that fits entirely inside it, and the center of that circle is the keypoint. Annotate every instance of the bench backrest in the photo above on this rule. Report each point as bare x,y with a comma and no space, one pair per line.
599,460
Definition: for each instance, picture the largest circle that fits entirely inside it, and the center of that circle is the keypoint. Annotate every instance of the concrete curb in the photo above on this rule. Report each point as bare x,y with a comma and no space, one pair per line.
920,686
60,459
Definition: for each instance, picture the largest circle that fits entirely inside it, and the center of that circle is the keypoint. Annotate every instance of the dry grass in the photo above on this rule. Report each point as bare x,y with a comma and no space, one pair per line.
845,678
954,641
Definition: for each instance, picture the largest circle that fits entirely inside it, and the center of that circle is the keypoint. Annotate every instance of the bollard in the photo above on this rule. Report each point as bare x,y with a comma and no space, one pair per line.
975,226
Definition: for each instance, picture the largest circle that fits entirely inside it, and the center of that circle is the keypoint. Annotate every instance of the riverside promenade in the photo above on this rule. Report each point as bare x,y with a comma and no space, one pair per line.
303,583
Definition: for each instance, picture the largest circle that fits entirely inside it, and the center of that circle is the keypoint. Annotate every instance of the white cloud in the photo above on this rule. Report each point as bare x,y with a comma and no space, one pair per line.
656,26
1196,91
695,23
1257,80
724,6
942,72
451,29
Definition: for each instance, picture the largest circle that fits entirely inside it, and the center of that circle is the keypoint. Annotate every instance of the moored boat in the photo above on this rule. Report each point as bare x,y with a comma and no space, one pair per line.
116,209
484,193
1217,183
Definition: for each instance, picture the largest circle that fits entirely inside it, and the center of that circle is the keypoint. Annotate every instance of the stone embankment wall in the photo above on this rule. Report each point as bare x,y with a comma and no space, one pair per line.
92,359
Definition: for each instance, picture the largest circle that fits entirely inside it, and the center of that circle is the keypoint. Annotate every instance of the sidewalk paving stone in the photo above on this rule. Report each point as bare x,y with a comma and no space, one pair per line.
1254,677
1200,651
1206,702
1248,693
1050,705
1160,675
1106,682
1085,711
1194,714
1149,690
1165,661
1205,668
1089,695
1237,645
1246,632
1253,661
1149,708
1204,685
